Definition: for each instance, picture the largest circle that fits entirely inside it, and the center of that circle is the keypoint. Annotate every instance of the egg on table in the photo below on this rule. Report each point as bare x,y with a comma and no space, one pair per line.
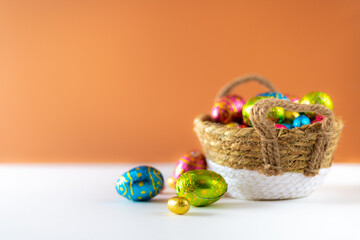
140,184
201,187
190,161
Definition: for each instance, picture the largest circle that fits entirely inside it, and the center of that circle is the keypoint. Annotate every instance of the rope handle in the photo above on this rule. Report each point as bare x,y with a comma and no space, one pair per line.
269,144
237,81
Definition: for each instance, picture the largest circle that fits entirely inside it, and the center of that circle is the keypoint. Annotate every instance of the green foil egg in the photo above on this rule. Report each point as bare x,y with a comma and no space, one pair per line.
276,114
201,187
317,98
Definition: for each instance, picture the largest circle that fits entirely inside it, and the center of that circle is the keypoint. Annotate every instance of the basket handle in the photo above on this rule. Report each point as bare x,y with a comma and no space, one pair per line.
269,140
237,81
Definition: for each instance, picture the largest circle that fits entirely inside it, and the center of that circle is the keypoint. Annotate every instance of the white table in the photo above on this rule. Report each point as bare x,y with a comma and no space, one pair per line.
80,202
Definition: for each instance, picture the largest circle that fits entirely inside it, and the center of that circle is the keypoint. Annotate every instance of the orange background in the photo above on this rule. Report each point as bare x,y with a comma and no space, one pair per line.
108,81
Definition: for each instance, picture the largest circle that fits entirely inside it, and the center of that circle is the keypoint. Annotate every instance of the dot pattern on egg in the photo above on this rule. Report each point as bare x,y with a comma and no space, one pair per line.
140,183
201,187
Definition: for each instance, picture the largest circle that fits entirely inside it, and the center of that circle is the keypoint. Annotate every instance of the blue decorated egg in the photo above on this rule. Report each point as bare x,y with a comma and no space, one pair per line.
301,121
274,95
140,184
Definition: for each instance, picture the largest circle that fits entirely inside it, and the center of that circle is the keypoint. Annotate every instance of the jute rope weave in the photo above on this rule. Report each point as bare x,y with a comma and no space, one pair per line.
266,149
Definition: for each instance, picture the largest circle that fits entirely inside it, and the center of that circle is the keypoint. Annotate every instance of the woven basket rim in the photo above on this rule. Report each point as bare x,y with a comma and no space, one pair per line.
206,118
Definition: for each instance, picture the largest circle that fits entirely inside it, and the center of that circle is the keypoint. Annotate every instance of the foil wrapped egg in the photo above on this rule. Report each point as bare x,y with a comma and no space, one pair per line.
189,161
171,182
178,205
228,109
301,121
140,184
280,126
289,115
319,118
201,187
293,98
232,124
288,125
274,95
276,114
317,98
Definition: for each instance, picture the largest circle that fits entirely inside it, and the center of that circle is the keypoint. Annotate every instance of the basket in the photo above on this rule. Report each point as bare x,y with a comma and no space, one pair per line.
265,163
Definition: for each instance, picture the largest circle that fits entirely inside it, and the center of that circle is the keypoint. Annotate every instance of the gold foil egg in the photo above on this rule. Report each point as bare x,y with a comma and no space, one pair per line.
291,115
178,205
171,182
201,187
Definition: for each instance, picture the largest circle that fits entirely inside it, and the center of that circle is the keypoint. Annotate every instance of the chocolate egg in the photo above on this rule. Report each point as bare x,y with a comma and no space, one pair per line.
319,118
178,205
293,98
228,109
140,184
276,114
201,187
274,95
233,124
171,182
288,125
317,98
280,126
291,115
189,161
301,121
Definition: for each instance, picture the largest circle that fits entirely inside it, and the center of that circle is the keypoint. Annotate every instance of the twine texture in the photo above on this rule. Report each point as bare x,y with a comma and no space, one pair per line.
264,148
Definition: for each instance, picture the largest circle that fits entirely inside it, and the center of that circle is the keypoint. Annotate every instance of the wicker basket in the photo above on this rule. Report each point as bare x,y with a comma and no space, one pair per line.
265,163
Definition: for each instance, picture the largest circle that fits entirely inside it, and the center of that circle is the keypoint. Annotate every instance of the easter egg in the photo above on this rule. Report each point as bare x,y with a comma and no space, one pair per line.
317,98
280,126
293,98
201,187
274,95
171,182
276,114
291,115
140,184
189,161
288,125
301,121
178,205
232,124
227,109
319,118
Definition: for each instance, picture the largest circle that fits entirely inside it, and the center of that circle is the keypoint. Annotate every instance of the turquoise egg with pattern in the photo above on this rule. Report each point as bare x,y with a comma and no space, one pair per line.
140,184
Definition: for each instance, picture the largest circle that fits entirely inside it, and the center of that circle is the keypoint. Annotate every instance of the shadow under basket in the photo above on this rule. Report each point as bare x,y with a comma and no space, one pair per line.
266,163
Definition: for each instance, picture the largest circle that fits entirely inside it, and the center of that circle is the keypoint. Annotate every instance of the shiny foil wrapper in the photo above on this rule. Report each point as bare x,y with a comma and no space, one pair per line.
140,184
276,114
317,98
201,187
228,109
189,161
178,205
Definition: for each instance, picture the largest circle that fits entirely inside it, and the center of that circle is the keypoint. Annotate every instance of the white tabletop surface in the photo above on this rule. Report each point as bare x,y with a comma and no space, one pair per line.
80,202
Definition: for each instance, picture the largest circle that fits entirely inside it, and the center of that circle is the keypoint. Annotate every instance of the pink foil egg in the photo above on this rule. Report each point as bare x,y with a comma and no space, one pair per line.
280,126
228,109
189,161
319,118
293,98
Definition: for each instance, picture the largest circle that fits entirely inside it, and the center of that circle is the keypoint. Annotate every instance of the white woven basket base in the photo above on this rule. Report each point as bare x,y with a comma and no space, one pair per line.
248,184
